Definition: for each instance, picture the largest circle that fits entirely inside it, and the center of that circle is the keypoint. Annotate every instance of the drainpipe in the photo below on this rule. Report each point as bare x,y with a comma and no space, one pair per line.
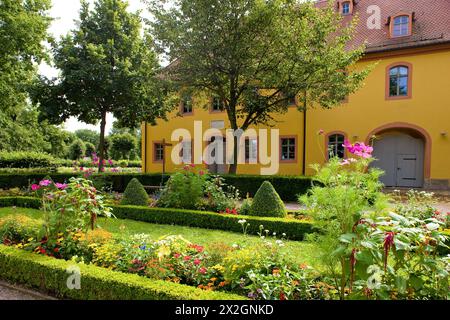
304,141
145,148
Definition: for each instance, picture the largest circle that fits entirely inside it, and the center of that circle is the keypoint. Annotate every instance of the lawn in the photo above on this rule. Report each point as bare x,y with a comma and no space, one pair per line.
301,252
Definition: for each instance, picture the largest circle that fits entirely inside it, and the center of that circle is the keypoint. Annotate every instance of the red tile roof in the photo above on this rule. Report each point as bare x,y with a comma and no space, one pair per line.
431,23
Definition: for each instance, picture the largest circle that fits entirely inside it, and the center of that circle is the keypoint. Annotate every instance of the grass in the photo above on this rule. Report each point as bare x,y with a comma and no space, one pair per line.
300,252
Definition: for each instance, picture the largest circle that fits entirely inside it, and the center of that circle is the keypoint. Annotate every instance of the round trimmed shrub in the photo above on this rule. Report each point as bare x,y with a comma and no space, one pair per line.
267,202
77,150
135,194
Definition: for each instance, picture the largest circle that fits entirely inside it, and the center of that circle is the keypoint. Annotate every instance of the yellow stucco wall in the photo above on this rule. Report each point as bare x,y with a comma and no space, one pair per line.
366,110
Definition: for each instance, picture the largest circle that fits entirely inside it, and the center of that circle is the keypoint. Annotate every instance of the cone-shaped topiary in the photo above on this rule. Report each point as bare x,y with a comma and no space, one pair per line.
135,194
267,202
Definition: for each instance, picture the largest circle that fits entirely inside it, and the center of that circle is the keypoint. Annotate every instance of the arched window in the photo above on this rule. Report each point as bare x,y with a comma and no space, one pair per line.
401,26
335,145
346,8
399,81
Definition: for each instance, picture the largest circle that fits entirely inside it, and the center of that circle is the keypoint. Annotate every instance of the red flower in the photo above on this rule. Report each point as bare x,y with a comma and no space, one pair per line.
177,255
197,262
187,258
56,250
388,243
202,270
282,296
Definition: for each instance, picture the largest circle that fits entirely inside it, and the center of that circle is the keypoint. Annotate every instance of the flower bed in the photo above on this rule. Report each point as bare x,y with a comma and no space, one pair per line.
50,274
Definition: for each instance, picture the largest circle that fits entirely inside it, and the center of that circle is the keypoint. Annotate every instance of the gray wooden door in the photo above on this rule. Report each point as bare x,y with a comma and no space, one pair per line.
218,167
400,156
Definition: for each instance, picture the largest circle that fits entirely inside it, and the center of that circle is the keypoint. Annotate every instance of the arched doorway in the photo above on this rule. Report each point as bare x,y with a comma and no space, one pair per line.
402,152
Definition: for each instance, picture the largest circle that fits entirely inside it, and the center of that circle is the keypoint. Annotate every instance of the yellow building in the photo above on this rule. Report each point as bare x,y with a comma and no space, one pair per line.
405,103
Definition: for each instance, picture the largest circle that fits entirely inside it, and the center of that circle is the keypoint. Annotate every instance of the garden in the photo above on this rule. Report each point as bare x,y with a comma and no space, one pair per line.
200,238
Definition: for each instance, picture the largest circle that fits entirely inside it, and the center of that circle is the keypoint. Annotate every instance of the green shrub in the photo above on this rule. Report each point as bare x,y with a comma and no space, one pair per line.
246,206
90,149
267,202
135,194
97,283
16,227
77,150
26,160
184,190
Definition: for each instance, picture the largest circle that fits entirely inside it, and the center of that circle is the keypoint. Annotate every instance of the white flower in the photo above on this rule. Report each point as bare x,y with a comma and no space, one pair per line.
242,221
279,243
235,245
284,234
274,233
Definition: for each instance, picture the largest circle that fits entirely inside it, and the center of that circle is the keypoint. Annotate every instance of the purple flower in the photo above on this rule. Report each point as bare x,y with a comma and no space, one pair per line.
111,163
45,183
61,186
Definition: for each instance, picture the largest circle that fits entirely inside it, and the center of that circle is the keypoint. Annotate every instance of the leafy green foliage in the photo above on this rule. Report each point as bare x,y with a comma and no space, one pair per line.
15,228
90,149
135,194
77,150
267,202
87,135
26,160
122,146
23,32
236,48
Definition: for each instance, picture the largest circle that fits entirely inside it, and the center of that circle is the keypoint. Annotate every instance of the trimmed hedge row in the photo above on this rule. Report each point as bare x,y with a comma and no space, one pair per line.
97,283
22,159
294,229
21,202
288,187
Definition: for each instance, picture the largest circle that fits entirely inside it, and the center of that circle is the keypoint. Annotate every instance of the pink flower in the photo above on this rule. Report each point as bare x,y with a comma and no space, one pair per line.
197,262
61,186
359,149
35,187
45,183
201,172
111,163
202,270
192,165
177,255
187,258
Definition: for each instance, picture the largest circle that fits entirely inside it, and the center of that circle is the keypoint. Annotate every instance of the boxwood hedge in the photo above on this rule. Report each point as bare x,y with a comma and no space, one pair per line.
288,187
51,275
294,229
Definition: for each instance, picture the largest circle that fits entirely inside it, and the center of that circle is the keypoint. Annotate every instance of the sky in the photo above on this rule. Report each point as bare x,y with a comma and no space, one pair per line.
65,12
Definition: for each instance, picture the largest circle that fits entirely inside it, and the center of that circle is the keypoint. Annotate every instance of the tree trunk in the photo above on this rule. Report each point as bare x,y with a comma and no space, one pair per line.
233,167
102,142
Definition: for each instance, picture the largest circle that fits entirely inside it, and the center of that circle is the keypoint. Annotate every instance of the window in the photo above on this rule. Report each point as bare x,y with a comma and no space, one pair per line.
288,149
251,150
346,8
159,152
216,105
218,124
398,81
186,105
186,152
336,146
401,26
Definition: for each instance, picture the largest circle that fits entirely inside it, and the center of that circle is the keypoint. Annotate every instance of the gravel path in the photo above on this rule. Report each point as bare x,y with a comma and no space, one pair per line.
13,292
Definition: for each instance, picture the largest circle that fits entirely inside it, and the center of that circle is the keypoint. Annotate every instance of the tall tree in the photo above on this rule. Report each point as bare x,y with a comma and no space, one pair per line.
23,30
235,48
107,66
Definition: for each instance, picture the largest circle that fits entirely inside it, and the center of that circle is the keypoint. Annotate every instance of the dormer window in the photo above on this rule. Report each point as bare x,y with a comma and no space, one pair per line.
401,26
346,8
